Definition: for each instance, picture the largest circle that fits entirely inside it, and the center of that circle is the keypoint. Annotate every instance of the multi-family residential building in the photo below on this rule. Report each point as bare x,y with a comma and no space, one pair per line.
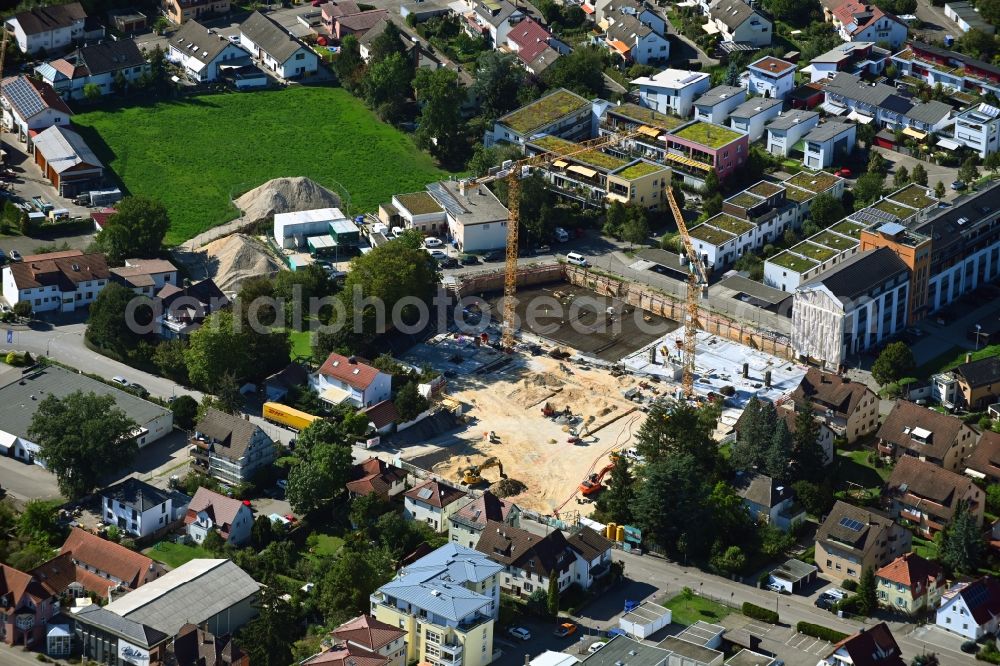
62,281
910,584
971,609
139,509
490,19
984,461
29,604
465,526
560,113
738,22
182,11
853,539
857,21
105,65
926,497
230,448
49,28
183,309
847,407
771,77
698,147
201,52
145,276
828,144
649,129
210,511
529,560
433,502
67,161
751,116
87,563
978,128
447,602
911,430
863,59
672,90
872,646
346,379
276,49
716,105
768,501
362,641
882,104
975,383
952,70
785,131
635,41
30,106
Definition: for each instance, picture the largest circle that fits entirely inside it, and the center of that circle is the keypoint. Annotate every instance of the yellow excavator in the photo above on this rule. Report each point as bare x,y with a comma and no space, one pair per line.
471,475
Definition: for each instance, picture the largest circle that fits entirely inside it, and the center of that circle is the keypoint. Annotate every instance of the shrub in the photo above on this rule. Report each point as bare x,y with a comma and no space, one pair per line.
850,585
758,613
819,631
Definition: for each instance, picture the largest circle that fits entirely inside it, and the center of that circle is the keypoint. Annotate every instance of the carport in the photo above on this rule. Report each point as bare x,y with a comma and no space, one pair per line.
793,575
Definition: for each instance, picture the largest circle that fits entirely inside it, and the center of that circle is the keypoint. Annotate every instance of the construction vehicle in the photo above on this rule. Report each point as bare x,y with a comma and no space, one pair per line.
697,284
595,482
471,475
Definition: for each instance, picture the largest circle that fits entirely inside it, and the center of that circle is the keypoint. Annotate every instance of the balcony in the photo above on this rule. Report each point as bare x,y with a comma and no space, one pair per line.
470,622
451,654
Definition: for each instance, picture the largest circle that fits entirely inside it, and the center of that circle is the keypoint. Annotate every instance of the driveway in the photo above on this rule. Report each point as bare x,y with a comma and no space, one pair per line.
935,172
935,24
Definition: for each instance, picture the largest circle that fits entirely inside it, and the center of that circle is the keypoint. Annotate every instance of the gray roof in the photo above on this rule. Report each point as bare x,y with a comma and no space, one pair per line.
862,273
838,53
697,653
794,570
747,657
110,56
929,112
791,119
20,398
198,42
498,16
752,107
624,651
44,19
753,289
230,435
828,130
136,494
269,37
131,630
192,593
853,87
733,13
64,149
477,206
627,29
761,489
718,94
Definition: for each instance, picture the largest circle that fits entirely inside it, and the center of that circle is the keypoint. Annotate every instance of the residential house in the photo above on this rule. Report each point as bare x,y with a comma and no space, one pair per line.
853,539
967,17
829,144
698,147
88,563
939,439
447,602
67,161
376,476
954,71
465,526
193,646
639,9
872,646
105,65
182,11
857,21
276,49
529,560
849,408
716,105
971,609
48,28
346,379
927,497
672,90
432,502
491,19
530,41
180,311
771,77
331,11
978,382
229,448
209,510
768,501
420,54
202,53
593,556
292,377
751,116
139,509
825,436
849,309
30,106
145,277
738,22
28,606
863,59
560,113
910,584
363,641
382,416
476,219
978,128
984,461
349,22
786,131
634,41
882,105
56,281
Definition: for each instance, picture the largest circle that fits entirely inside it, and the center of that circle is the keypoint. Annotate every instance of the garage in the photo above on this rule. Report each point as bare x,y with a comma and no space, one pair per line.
793,575
644,620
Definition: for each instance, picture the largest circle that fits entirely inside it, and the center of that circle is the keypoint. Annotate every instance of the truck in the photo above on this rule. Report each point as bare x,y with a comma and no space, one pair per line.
287,416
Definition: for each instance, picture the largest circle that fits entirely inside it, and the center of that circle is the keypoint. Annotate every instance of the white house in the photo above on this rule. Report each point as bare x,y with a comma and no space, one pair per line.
62,281
860,22
978,128
276,48
768,501
787,129
828,143
715,105
345,379
31,105
100,65
672,90
736,21
771,77
200,52
292,229
495,19
139,509
593,556
635,41
433,503
209,511
971,610
476,219
50,28
858,58
751,116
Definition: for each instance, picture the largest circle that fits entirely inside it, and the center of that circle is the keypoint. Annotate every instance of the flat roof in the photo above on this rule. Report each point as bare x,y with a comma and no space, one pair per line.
747,657
702,633
418,203
624,651
814,181
314,215
755,290
793,570
544,111
671,78
690,650
645,612
707,134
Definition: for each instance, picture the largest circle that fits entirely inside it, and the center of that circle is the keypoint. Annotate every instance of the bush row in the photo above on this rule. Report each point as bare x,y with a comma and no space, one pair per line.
819,631
758,613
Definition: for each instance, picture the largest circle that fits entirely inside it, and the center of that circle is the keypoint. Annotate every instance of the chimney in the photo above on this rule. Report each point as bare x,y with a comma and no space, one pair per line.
746,370
767,379
352,360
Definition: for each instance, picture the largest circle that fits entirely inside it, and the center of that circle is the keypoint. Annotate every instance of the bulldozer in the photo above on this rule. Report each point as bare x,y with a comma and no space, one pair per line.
471,475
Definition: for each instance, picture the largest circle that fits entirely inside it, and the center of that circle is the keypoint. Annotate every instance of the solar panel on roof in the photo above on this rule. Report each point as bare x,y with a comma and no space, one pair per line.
24,97
851,524
425,493
445,198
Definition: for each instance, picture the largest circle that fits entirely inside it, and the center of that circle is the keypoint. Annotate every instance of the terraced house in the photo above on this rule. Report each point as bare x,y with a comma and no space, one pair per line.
696,148
955,71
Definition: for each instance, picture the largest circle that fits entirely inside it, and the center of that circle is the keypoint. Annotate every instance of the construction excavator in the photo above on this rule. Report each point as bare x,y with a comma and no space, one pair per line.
471,475
595,482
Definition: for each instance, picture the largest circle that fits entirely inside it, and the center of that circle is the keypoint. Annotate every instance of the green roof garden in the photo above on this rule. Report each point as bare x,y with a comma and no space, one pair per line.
638,170
708,134
798,195
744,200
646,116
764,189
848,228
814,251
594,158
544,111
835,241
733,225
915,196
703,232
793,262
816,182
419,203
893,208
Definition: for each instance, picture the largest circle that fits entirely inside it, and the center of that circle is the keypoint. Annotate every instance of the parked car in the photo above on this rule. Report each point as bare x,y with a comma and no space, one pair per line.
448,262
565,629
5,308
469,260
438,254
774,587
594,647
561,235
494,255
843,173
520,633
15,255
577,259
958,185
138,390
121,381
431,241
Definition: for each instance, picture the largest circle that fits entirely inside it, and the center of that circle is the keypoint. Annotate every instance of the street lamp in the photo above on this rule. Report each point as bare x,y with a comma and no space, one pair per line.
978,328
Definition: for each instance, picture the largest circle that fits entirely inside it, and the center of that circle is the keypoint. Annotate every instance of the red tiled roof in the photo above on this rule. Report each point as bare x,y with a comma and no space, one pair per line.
347,655
772,65
440,494
106,556
486,507
367,632
348,370
382,414
910,570
100,217
530,37
221,509
374,476
64,272
874,646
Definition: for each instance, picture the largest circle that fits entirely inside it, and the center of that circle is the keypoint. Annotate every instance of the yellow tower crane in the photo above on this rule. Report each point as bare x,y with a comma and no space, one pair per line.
696,282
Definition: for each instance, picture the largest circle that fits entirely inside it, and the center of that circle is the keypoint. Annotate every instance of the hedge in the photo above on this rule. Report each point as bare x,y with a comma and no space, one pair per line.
758,613
821,632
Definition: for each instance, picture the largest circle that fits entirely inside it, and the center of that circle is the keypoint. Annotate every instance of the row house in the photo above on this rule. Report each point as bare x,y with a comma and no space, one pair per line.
276,49
876,102
716,104
202,53
786,131
752,116
953,70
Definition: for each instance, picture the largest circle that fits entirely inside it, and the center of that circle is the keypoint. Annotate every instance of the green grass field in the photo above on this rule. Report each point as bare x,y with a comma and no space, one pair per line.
198,153
175,554
687,610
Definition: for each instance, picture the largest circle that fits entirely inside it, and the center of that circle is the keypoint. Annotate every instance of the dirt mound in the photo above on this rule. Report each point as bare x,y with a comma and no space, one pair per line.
285,195
232,259
508,488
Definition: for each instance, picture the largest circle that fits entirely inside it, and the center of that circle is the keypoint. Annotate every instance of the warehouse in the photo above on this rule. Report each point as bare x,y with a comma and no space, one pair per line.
20,398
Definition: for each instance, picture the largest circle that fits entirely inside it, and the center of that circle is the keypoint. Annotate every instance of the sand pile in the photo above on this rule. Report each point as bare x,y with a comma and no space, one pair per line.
285,195
234,258
508,488
536,388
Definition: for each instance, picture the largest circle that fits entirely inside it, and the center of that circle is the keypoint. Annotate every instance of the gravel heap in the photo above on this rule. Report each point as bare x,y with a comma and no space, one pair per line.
508,488
235,258
285,195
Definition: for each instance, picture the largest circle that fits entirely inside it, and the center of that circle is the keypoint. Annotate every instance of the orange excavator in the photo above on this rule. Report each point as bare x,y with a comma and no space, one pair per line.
595,482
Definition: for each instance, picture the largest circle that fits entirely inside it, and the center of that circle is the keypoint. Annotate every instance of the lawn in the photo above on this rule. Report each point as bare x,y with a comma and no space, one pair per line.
326,545
854,467
175,554
925,548
301,344
686,609
197,154
953,356
793,262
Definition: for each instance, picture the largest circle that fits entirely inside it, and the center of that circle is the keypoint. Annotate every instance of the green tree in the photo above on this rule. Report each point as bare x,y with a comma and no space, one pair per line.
799,13
614,219
993,498
92,92
617,499
498,79
677,482
483,159
969,171
893,363
902,177
343,590
878,164
213,542
387,87
732,77
867,592
711,185
919,175
754,438
730,560
989,10
774,542
108,327
962,546
581,71
817,498
169,360
441,130
552,597
267,639
217,349
324,464
136,229
976,43
678,428
939,190
387,44
39,522
78,435
729,515
409,403
825,209
808,457
866,134
252,294
992,162
185,409
366,509
779,453
349,66
262,532
636,228
869,187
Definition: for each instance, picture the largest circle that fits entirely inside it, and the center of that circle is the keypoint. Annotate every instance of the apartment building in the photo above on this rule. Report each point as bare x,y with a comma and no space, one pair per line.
139,509
433,502
857,21
465,526
852,539
771,77
62,281
230,448
698,147
926,497
672,90
952,70
882,104
560,113
910,584
649,127
978,128
48,28
847,407
911,430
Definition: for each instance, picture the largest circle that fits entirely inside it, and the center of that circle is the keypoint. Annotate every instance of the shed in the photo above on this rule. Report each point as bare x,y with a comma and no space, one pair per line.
704,634
645,620
793,575
345,233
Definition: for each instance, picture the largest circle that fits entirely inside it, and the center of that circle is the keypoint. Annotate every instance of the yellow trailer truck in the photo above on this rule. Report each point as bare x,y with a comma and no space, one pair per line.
287,416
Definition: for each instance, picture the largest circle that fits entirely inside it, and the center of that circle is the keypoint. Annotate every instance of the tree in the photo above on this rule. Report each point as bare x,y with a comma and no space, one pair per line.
779,453
387,86
108,327
409,403
976,43
962,546
730,560
251,294
817,498
808,457
324,463
344,589
866,134
213,542
497,81
969,171
267,639
39,522
441,96
919,175
939,190
218,348
732,77
552,597
636,228
387,44
989,10
262,532
798,13
136,229
78,436
92,92
869,187
616,500
902,177
679,483
614,219
483,159
825,209
23,309
348,64
893,363
366,509
185,409
878,164
755,436
867,592
729,515
711,185
992,162
679,428
169,360
581,71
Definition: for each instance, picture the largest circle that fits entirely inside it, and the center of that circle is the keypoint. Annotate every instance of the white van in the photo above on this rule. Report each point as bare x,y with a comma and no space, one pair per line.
577,259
